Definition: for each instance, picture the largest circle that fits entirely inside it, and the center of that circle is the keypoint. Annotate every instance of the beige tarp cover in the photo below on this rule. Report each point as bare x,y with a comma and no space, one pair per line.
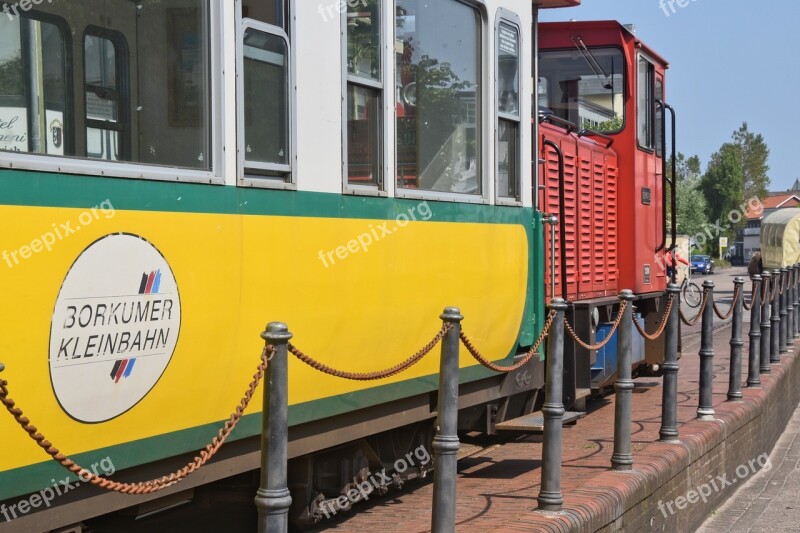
780,238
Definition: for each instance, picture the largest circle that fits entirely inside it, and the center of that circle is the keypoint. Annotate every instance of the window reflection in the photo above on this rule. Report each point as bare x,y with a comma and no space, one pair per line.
438,96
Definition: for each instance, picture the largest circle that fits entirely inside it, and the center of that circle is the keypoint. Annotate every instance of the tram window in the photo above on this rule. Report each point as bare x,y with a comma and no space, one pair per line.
138,92
645,104
439,100
508,103
269,11
104,125
33,87
364,94
587,90
265,103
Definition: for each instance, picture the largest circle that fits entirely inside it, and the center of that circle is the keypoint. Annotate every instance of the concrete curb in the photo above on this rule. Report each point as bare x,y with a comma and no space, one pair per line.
629,501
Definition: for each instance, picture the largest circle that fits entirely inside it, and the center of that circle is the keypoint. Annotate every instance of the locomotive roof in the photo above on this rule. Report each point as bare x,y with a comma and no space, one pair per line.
604,26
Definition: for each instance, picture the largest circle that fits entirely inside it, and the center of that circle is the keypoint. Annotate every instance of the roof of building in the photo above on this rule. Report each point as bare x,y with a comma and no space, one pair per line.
776,201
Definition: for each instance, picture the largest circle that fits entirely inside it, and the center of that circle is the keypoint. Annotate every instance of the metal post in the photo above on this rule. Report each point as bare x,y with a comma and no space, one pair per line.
705,411
553,221
735,383
622,458
784,316
775,318
753,378
445,443
766,327
789,307
796,302
273,498
669,399
795,327
550,497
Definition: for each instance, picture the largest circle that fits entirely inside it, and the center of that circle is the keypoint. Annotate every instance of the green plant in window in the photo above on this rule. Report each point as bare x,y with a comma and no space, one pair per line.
608,126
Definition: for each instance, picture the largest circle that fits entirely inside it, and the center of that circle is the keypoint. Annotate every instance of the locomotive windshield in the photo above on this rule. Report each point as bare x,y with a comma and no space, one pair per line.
585,88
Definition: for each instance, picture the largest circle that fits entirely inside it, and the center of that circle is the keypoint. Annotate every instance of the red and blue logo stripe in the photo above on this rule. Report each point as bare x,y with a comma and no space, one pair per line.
149,285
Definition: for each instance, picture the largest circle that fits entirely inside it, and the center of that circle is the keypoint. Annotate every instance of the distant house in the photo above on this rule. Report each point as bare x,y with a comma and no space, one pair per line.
749,237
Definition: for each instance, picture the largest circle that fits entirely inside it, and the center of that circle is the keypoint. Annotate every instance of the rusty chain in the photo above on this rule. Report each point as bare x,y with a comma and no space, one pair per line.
696,319
749,306
662,326
736,294
371,376
153,485
605,341
505,369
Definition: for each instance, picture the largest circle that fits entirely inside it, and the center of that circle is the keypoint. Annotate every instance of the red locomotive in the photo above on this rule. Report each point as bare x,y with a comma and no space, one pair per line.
601,142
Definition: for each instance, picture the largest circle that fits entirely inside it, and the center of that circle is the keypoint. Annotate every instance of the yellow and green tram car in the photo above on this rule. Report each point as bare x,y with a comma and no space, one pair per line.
174,174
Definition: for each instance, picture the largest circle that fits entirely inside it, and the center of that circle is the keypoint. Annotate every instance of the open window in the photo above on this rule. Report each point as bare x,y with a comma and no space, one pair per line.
265,150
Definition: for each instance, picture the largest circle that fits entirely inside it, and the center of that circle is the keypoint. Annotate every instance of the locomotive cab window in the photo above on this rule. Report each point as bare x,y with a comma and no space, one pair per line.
438,96
114,80
508,112
585,87
646,104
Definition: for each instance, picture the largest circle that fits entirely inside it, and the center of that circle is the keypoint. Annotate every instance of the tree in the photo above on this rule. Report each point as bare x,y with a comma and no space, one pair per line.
691,206
723,188
753,154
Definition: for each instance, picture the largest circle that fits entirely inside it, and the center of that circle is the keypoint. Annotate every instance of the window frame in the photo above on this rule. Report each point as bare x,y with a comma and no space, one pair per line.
485,114
214,19
508,18
289,171
381,189
122,81
626,80
650,107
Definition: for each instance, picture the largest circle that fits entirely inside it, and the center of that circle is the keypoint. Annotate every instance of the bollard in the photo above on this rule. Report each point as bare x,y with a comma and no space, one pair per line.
775,318
273,498
766,321
789,307
796,302
735,382
550,497
445,443
669,393
794,326
784,313
622,458
705,411
754,350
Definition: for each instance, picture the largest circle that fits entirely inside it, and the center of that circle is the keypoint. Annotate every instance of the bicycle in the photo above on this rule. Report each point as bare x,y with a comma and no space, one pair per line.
691,293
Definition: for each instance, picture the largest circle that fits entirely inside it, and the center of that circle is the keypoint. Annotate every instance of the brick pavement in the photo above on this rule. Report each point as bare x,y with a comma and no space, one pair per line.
497,489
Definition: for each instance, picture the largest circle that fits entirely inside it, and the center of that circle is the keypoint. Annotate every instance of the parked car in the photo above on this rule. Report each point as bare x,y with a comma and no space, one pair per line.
702,264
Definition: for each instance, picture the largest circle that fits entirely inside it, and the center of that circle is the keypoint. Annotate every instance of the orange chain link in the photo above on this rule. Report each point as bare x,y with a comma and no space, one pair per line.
662,326
371,376
604,342
696,319
730,310
153,485
505,369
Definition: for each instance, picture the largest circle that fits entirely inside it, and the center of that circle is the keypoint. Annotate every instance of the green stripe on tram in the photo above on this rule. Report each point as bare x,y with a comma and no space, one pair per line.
30,188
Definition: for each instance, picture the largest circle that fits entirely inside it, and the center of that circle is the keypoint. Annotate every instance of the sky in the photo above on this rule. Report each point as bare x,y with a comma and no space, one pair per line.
731,61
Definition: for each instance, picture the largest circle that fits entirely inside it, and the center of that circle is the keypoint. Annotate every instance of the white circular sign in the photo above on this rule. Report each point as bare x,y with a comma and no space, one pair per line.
115,327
